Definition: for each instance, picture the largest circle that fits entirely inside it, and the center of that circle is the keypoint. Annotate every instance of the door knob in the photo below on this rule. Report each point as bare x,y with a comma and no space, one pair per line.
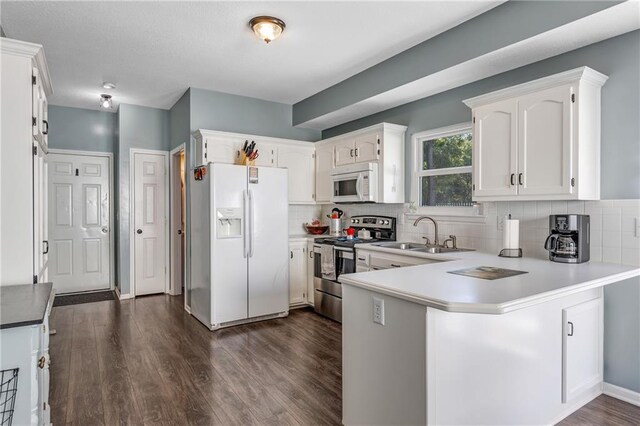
139,231
179,231
105,230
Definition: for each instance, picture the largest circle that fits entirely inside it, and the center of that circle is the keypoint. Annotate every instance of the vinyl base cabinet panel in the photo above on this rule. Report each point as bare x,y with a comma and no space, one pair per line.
428,366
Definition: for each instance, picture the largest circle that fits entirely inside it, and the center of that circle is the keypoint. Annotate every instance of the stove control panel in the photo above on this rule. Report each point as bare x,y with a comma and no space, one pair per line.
373,222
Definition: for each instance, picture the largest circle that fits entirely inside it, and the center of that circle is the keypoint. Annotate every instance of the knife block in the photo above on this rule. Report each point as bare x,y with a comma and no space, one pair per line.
243,160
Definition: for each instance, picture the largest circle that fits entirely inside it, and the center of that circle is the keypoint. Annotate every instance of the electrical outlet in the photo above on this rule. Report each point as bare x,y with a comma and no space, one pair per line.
378,311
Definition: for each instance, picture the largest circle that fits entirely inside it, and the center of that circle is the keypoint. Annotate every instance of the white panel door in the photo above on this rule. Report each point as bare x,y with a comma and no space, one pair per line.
344,152
582,348
324,166
79,245
149,224
545,142
495,149
301,165
367,148
269,243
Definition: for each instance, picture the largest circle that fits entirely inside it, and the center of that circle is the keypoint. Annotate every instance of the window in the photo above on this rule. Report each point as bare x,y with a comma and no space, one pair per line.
442,171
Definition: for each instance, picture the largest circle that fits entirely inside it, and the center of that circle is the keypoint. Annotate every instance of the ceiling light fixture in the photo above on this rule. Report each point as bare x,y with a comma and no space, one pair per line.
109,86
106,101
267,28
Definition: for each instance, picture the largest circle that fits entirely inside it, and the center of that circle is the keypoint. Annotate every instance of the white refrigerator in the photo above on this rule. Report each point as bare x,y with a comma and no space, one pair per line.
239,263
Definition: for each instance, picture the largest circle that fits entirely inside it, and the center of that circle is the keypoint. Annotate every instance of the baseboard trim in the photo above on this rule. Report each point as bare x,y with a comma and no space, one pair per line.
622,394
123,296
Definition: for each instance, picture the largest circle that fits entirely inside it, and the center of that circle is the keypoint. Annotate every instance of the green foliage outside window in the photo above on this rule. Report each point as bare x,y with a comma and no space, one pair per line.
447,189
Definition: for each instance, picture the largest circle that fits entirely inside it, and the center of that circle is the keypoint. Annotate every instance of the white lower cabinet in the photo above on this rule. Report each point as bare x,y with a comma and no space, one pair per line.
581,348
310,268
297,272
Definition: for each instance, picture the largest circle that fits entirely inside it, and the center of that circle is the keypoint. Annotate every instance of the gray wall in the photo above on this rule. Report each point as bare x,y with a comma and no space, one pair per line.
138,127
619,58
82,129
231,113
180,121
516,20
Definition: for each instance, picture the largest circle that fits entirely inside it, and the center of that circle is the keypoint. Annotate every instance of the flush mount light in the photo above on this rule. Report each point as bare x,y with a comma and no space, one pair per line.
109,86
105,101
267,28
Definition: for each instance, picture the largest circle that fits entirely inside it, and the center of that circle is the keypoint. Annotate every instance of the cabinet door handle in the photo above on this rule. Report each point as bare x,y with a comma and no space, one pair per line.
520,178
356,152
351,152
362,259
513,178
46,130
395,266
570,324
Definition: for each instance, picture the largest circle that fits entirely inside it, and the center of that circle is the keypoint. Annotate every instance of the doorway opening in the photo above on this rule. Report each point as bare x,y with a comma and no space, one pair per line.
178,215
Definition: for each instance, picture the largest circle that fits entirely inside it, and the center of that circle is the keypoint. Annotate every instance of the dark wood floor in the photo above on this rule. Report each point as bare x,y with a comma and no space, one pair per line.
148,362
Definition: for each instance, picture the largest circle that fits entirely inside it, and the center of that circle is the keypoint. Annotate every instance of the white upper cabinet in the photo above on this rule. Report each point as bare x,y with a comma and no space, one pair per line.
382,144
539,140
324,166
494,154
267,154
40,106
345,151
367,148
545,141
300,162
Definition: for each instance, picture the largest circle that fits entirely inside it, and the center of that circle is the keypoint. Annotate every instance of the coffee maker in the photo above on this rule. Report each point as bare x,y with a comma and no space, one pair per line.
568,241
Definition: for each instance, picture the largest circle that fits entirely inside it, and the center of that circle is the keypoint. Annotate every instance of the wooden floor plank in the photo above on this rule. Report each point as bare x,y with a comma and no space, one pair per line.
146,361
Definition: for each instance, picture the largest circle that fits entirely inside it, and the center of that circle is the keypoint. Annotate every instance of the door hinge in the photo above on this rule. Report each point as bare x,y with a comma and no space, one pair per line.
573,181
378,152
35,279
35,150
313,156
291,254
34,121
33,80
474,119
474,186
378,141
573,97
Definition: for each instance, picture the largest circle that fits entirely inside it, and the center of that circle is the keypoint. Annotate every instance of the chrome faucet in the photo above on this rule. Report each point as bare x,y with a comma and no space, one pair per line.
435,227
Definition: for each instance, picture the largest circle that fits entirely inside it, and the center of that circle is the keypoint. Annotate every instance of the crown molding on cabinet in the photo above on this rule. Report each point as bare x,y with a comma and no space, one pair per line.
384,126
202,133
29,50
583,73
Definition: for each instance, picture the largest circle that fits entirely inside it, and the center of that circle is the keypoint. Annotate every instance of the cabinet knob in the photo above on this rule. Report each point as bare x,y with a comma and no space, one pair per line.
570,324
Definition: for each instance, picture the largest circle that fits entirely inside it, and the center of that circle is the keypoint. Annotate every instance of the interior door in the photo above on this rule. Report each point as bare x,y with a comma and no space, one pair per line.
79,245
367,148
495,154
545,142
301,165
149,224
269,253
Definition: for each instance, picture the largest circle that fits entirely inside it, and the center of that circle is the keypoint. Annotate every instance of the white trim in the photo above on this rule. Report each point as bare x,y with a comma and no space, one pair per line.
174,289
203,133
123,296
112,222
384,126
582,73
621,393
29,50
417,173
165,154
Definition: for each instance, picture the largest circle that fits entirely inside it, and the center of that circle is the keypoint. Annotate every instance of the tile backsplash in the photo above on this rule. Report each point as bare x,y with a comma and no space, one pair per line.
301,214
615,225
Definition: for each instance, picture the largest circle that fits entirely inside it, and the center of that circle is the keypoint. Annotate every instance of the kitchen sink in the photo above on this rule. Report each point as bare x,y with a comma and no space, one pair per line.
400,246
420,247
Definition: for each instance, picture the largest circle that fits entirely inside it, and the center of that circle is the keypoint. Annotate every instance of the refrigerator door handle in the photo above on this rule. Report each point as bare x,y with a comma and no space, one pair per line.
251,217
245,226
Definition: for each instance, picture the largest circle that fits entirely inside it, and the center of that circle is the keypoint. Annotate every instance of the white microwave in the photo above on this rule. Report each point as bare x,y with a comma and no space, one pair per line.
355,183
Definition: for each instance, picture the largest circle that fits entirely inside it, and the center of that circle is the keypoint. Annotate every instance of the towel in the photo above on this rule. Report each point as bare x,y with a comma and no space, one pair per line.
327,260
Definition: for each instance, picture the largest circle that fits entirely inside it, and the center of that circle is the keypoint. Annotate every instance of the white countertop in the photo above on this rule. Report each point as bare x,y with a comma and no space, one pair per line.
432,285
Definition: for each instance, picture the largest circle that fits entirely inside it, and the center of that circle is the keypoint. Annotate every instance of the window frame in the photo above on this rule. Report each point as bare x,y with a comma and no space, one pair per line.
417,141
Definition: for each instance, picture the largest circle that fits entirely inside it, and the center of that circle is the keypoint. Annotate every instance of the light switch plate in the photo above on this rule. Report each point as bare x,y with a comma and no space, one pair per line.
378,311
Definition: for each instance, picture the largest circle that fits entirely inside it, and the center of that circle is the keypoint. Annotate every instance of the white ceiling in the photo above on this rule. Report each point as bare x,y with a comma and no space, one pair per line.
154,51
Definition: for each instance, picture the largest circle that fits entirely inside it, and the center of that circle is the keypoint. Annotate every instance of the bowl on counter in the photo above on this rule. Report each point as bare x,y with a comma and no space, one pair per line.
316,229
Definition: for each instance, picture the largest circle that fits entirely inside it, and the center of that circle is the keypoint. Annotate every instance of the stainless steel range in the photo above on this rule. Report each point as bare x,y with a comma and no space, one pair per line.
336,256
